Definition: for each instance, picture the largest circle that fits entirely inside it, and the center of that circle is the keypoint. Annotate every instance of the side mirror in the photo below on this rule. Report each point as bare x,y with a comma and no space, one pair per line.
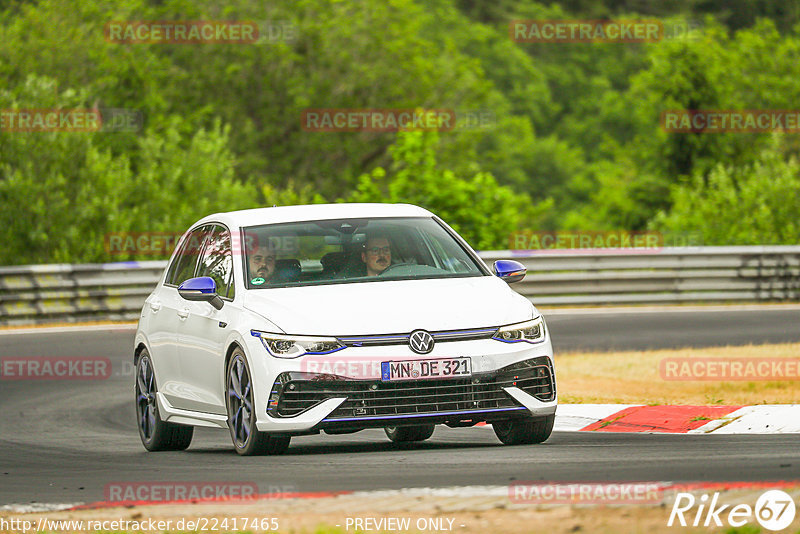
201,289
509,270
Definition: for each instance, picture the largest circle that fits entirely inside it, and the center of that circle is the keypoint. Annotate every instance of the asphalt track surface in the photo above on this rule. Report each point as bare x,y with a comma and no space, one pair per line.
63,441
671,328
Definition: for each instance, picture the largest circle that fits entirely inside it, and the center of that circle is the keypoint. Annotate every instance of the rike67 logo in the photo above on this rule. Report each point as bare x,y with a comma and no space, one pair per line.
774,510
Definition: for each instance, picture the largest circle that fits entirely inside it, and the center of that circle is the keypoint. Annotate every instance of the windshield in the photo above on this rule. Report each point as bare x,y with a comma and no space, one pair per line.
353,250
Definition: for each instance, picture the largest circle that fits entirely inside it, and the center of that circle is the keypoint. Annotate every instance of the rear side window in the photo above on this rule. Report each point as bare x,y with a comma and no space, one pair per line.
217,261
185,261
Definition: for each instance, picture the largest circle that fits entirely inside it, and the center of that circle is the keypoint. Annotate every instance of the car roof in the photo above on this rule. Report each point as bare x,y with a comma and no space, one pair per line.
313,212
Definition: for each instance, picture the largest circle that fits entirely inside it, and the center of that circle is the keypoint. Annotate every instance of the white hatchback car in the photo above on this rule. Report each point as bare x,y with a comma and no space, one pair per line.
287,321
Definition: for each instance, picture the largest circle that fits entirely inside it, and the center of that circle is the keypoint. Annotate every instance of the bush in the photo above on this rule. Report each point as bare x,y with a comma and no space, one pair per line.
747,205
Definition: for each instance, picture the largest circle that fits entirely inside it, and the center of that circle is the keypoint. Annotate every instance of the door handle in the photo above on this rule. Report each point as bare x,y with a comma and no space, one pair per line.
155,305
184,313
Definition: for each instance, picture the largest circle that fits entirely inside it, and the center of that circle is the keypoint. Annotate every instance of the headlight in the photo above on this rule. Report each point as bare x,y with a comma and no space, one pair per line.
283,346
530,331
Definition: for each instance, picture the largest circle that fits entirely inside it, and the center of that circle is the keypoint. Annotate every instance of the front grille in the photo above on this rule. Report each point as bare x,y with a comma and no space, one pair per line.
293,393
402,339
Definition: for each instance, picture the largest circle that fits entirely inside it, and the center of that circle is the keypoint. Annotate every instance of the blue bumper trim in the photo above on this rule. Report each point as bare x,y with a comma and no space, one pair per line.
416,415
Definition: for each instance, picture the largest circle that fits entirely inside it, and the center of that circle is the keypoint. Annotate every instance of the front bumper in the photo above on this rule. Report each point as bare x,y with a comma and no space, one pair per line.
301,401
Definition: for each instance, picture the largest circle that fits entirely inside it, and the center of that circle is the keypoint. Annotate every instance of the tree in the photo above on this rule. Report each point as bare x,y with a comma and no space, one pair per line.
62,193
482,211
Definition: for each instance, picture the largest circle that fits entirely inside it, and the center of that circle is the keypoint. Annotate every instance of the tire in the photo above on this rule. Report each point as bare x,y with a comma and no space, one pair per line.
247,440
404,434
156,435
524,431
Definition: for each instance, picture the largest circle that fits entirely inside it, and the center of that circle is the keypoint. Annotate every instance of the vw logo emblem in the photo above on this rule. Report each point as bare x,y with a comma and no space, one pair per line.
420,342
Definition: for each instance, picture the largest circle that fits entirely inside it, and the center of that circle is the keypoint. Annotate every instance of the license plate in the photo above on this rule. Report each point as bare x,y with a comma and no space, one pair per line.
422,369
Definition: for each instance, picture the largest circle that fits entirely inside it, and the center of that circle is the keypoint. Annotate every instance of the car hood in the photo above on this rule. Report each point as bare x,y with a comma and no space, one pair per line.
390,307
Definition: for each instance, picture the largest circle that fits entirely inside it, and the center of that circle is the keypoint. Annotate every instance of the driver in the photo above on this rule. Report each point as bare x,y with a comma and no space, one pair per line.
262,262
377,254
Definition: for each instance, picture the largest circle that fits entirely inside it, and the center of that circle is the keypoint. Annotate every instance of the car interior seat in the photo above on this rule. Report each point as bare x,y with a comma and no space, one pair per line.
332,263
287,270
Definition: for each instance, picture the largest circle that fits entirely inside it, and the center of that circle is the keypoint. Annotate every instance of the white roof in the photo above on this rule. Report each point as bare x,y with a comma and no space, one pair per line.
313,212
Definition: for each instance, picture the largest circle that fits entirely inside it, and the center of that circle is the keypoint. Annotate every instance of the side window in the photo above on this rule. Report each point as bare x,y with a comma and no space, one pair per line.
183,266
217,261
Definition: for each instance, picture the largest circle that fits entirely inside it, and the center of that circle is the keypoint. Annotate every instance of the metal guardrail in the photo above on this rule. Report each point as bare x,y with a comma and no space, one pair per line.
72,293
658,276
116,291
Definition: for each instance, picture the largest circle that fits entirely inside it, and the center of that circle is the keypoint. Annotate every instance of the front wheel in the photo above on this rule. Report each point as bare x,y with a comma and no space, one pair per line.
156,435
247,440
524,431
402,434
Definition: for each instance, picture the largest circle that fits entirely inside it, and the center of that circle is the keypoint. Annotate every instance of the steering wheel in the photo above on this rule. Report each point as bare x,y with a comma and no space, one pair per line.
392,266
